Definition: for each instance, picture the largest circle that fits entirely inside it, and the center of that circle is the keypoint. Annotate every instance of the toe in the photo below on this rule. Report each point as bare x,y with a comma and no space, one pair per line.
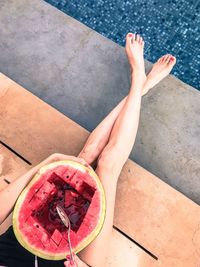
129,38
164,60
161,59
137,38
141,40
134,37
172,60
129,35
168,58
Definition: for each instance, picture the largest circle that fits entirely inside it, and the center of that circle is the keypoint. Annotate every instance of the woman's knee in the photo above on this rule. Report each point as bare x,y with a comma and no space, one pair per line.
110,161
106,161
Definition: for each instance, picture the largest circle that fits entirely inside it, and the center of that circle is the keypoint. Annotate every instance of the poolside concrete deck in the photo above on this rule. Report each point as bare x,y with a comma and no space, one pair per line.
151,233
84,75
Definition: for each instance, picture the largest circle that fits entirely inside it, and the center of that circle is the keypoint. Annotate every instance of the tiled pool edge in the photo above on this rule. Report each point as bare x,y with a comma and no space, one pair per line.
167,27
84,75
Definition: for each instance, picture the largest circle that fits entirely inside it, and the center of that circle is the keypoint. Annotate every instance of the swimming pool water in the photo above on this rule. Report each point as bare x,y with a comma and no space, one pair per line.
168,26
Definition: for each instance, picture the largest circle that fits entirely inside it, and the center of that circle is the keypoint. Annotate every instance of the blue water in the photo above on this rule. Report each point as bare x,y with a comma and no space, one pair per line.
168,26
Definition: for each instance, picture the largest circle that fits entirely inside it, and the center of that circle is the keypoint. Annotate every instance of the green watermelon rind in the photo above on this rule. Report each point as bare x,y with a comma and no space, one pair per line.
50,256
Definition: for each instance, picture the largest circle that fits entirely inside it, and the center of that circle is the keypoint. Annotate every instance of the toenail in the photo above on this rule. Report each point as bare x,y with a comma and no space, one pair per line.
130,34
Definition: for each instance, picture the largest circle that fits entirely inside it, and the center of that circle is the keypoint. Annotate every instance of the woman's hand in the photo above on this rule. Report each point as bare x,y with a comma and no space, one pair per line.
9,195
79,263
58,156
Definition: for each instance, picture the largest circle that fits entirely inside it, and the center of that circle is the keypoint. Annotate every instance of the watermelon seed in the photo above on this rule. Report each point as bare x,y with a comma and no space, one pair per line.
67,176
37,225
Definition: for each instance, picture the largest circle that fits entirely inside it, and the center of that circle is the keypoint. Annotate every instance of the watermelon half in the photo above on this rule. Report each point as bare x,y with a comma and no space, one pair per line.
36,223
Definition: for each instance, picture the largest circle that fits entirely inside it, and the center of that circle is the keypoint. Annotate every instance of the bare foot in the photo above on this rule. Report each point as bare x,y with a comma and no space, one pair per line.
135,53
159,71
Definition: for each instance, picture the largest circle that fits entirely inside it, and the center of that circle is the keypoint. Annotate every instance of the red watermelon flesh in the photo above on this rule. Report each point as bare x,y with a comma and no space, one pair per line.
39,221
74,204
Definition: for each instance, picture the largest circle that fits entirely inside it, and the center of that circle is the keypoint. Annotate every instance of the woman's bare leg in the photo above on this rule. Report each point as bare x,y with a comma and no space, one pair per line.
100,135
116,152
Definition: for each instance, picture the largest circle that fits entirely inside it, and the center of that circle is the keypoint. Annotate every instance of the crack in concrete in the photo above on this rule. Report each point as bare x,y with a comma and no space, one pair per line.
82,43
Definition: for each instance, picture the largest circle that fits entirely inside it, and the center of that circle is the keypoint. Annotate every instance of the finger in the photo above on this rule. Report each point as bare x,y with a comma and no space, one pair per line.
78,262
84,162
69,264
58,156
73,158
81,160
